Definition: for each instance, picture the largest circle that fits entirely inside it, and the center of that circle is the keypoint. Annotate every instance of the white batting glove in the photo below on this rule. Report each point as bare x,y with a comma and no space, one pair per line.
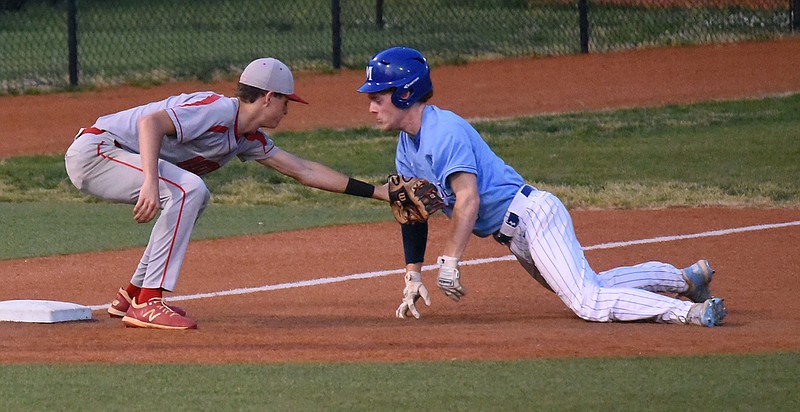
413,291
450,278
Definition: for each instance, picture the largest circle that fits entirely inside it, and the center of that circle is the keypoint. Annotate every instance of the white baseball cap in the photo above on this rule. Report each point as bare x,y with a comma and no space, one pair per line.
271,75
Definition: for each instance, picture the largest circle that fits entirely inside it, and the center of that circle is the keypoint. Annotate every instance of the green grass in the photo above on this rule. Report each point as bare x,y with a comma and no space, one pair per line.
55,228
742,153
729,153
718,382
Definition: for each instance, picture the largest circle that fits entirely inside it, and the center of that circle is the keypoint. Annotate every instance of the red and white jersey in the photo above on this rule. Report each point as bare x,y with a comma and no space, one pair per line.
206,138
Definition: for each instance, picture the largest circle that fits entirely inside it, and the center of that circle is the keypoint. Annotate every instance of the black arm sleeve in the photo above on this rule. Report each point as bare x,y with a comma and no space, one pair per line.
356,187
415,239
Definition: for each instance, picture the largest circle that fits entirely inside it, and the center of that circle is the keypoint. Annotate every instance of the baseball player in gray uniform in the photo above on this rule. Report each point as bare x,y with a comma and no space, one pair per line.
487,197
152,156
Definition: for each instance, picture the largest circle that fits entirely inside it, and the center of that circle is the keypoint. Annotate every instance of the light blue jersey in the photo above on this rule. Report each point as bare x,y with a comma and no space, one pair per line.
446,144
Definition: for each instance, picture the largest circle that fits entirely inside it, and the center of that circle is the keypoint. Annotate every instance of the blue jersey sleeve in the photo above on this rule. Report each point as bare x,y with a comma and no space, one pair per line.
453,153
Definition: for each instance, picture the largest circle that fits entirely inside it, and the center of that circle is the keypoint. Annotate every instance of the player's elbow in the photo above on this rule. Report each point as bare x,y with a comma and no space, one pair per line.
304,180
304,174
305,177
468,205
158,123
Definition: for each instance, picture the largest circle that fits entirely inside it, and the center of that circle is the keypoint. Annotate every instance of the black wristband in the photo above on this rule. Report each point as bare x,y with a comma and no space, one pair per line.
356,187
415,240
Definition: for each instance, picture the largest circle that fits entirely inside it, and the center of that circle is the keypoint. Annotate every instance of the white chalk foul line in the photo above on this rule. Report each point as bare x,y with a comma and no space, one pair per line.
712,233
381,273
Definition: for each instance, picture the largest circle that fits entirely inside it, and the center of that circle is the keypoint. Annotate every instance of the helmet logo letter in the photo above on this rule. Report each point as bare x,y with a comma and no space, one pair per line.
369,73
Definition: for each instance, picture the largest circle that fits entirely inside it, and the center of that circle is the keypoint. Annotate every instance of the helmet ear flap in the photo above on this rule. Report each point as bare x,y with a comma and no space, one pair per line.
413,90
401,97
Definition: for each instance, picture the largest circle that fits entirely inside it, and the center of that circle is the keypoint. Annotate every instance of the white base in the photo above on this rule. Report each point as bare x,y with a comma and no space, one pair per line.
42,311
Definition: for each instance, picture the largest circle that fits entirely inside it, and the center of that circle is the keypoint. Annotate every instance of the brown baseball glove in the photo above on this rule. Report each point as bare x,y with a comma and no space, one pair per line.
413,199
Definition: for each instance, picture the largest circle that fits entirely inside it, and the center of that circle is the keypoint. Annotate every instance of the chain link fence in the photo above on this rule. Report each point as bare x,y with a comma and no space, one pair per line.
57,44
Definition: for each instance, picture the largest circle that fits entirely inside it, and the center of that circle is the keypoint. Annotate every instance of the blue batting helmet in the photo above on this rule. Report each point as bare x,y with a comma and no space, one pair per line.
403,68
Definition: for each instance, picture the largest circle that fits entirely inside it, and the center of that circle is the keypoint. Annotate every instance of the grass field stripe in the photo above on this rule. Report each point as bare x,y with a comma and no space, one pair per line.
481,261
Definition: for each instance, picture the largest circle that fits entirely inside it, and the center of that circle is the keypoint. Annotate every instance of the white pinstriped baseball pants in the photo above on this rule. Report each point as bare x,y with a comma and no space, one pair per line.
99,168
546,246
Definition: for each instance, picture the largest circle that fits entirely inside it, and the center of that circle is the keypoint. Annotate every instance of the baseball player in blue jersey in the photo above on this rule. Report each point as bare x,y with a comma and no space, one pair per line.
487,197
152,156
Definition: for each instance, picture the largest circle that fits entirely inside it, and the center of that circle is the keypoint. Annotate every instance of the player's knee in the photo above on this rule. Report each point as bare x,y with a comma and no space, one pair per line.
196,191
590,315
203,195
585,306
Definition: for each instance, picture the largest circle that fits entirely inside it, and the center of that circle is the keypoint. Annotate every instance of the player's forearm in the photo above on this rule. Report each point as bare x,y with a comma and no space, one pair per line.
356,187
381,192
153,128
465,213
415,242
325,178
317,175
149,148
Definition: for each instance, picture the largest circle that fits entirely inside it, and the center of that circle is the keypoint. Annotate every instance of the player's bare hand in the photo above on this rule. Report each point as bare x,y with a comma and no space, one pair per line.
450,278
413,291
148,203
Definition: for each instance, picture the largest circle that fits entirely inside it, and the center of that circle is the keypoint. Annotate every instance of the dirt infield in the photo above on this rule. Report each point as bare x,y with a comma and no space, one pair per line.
506,315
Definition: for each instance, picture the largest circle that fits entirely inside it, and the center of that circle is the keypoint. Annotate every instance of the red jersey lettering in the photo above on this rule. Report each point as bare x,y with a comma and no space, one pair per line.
199,165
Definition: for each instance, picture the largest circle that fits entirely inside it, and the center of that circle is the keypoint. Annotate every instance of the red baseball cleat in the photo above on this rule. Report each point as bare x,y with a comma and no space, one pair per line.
119,307
155,314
